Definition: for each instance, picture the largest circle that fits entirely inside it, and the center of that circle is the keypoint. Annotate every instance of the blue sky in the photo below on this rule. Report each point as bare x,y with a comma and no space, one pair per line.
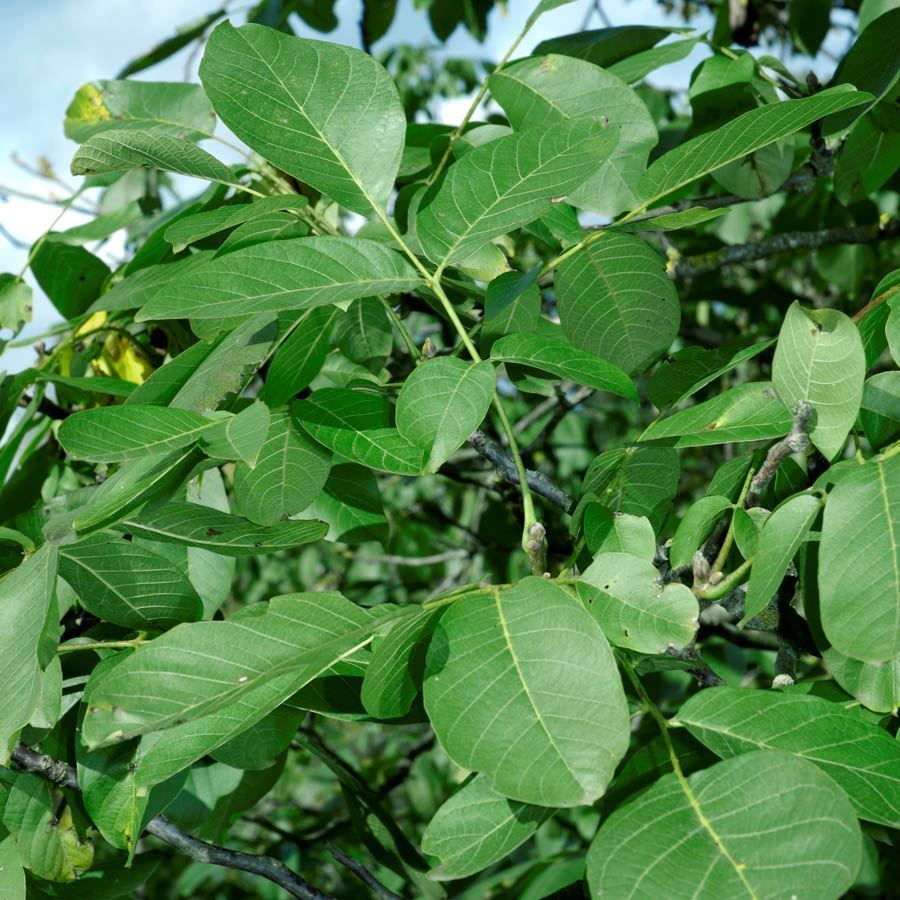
54,46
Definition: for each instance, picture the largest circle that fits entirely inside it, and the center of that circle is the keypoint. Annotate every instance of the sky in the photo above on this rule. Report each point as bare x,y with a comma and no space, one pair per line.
58,45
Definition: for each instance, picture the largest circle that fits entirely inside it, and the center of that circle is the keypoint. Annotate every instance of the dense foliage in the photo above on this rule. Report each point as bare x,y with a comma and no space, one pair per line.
506,510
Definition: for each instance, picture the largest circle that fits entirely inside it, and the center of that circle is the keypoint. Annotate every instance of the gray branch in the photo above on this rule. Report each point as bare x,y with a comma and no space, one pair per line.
797,441
506,468
64,775
790,241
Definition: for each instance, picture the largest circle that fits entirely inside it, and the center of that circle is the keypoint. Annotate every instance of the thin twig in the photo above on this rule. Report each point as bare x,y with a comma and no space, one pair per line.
363,874
64,775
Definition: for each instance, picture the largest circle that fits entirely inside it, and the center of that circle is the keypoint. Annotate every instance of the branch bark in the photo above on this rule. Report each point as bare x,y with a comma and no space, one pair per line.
788,242
506,468
64,775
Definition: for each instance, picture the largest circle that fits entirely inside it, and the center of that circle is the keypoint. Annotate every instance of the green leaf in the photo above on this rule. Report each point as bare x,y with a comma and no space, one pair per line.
723,832
394,674
605,46
204,224
875,685
512,303
695,527
300,358
134,484
820,358
12,875
693,368
619,533
179,110
100,227
364,335
616,301
127,584
357,426
625,595
199,526
508,183
137,288
558,357
16,303
157,686
292,274
338,104
862,758
545,91
239,438
210,573
544,6
117,433
686,218
749,412
273,226
520,681
441,403
859,562
184,35
119,151
290,472
27,601
351,505
636,480
782,534
634,68
47,842
71,277
879,413
741,136
477,827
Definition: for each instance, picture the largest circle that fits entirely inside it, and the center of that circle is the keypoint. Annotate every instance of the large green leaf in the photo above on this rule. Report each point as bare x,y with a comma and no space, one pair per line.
508,183
544,91
117,433
558,357
292,274
12,875
394,673
159,687
119,151
615,300
27,601
441,403
638,480
179,110
70,276
605,46
763,824
477,827
741,136
199,526
695,527
338,107
862,758
859,562
203,224
357,426
521,681
300,358
749,412
351,505
127,584
875,685
634,608
290,472
820,358
240,437
782,534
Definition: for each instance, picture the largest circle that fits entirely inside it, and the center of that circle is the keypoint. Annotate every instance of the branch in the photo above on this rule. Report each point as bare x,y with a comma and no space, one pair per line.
797,441
363,874
506,468
64,775
790,241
